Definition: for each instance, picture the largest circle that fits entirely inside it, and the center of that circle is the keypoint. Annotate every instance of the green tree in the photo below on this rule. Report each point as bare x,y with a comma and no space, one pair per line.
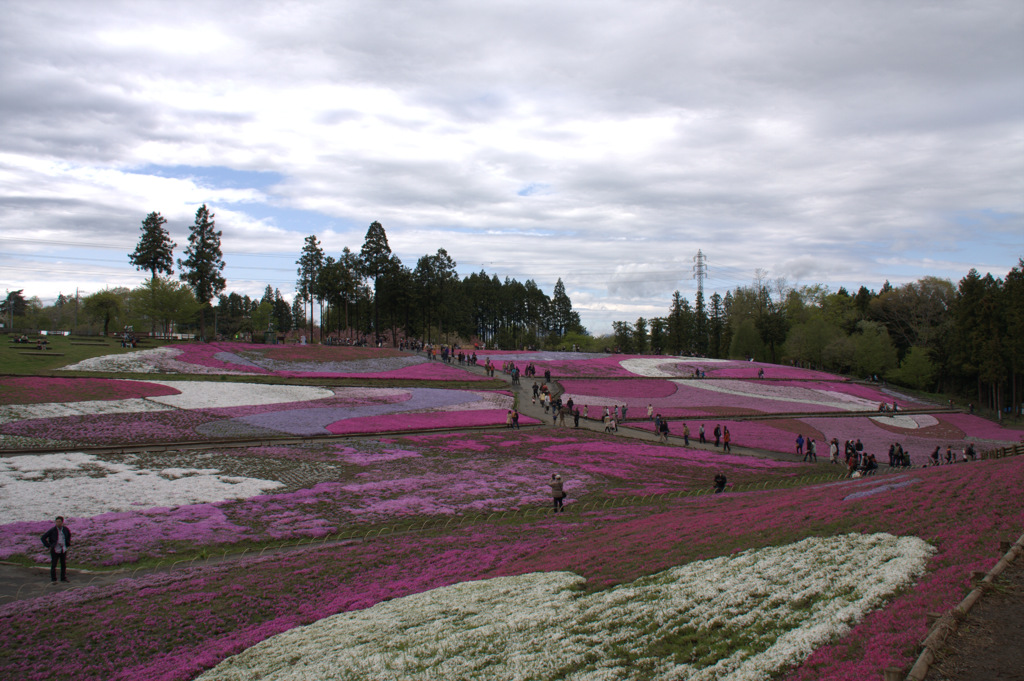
716,327
435,280
282,313
746,341
375,260
1013,304
640,336
14,305
311,263
562,320
165,302
806,342
202,267
104,307
874,353
155,250
624,337
700,325
658,337
916,370
261,318
680,326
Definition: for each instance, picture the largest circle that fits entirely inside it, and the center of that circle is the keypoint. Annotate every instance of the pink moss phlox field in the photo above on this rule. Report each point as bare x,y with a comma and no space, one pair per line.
320,353
124,537
42,389
866,392
205,354
622,390
601,367
112,428
876,435
369,410
699,397
171,626
433,371
776,435
640,469
739,369
779,435
282,360
977,428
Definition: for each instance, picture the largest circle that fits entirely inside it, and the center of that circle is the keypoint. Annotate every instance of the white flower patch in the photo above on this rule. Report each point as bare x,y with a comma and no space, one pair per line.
50,410
191,395
482,401
80,485
782,393
650,366
754,614
139,362
210,395
910,422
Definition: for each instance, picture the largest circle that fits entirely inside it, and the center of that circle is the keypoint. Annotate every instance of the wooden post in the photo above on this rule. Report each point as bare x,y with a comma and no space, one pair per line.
893,674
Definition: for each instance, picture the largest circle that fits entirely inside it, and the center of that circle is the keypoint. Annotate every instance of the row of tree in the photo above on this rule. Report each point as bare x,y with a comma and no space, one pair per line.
373,293
369,294
928,334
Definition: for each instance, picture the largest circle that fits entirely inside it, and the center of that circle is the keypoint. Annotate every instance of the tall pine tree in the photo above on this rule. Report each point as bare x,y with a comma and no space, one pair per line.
375,261
202,267
155,250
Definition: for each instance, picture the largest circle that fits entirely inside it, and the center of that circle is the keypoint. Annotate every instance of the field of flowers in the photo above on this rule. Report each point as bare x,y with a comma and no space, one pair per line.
161,410
459,569
131,507
792,401
175,625
564,365
288,361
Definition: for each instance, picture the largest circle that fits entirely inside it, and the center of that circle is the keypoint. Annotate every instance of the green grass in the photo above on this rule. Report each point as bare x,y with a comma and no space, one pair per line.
24,359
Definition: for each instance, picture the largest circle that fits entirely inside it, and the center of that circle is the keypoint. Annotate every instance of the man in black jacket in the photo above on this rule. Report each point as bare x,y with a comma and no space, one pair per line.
58,540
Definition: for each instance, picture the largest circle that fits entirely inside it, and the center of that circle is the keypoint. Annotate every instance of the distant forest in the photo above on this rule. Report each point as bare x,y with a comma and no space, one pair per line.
966,339
929,335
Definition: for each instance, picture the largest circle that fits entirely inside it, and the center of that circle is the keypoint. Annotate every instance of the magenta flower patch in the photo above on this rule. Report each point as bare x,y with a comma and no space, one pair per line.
42,389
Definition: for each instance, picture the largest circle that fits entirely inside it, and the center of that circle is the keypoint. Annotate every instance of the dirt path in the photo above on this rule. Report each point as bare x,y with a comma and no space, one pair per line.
989,643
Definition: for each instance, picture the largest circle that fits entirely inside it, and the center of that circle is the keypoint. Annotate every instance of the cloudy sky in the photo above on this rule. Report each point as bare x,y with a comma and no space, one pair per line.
601,142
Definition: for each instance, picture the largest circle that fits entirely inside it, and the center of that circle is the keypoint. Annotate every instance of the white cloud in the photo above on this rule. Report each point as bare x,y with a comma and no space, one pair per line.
812,141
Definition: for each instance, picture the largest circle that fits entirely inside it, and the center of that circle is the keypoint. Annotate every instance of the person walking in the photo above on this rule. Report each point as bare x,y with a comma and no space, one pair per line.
686,435
58,540
663,429
726,439
557,493
703,440
800,444
718,434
